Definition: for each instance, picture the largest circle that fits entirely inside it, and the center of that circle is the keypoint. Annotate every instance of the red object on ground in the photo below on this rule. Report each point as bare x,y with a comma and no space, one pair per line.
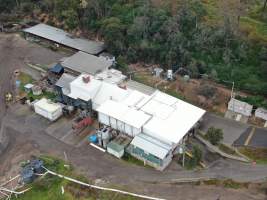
254,163
82,122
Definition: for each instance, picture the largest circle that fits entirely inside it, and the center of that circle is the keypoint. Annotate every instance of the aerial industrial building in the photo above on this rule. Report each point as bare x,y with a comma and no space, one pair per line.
150,123
158,122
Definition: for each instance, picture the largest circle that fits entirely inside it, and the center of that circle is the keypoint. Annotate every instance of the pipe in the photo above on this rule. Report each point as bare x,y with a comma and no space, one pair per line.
102,188
13,192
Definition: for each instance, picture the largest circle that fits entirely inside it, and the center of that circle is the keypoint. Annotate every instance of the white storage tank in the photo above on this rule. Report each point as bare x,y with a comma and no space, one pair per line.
48,109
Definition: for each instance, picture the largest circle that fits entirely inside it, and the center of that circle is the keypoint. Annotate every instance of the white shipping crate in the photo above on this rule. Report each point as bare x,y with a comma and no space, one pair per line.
48,109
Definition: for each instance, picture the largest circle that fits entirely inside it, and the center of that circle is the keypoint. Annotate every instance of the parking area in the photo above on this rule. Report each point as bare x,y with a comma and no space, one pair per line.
253,137
60,129
232,130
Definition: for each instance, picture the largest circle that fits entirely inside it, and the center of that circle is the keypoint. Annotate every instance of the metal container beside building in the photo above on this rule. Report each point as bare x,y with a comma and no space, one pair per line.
48,109
117,146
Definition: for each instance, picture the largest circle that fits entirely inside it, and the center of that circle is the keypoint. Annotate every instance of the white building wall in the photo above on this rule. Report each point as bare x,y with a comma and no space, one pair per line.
104,119
113,123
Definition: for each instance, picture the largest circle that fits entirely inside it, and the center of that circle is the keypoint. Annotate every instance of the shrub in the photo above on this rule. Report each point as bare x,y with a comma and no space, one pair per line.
207,91
214,135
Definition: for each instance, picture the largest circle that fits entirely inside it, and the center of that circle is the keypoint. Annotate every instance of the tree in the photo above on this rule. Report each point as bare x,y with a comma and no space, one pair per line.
214,135
197,156
264,6
113,31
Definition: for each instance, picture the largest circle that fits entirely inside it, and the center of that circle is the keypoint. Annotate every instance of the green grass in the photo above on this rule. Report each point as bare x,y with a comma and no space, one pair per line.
48,95
128,158
25,78
49,187
228,183
227,149
256,154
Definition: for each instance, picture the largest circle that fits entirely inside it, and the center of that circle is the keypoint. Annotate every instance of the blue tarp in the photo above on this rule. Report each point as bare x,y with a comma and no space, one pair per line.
58,69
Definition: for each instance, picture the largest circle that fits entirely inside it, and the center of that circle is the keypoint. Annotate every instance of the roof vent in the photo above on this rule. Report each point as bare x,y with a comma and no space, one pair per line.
86,79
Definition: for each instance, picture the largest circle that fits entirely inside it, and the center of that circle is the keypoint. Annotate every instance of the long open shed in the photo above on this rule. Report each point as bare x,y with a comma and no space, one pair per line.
59,36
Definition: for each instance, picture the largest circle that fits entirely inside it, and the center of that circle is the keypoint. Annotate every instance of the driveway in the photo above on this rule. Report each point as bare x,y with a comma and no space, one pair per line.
254,137
232,130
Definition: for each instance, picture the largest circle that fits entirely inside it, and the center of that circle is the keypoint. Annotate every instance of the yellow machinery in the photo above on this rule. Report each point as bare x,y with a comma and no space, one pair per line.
8,97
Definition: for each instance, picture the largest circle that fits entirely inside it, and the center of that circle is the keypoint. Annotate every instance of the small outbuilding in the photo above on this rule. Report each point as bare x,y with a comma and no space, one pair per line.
117,146
262,114
28,87
48,109
238,110
158,71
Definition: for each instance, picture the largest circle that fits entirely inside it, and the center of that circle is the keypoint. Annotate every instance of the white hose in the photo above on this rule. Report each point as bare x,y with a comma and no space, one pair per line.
102,188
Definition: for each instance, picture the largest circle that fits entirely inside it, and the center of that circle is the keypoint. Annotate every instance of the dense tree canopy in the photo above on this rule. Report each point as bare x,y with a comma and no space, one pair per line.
182,37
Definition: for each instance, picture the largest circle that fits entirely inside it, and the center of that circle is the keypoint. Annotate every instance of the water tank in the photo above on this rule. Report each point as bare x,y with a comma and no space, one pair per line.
99,138
169,74
27,175
18,82
105,138
93,138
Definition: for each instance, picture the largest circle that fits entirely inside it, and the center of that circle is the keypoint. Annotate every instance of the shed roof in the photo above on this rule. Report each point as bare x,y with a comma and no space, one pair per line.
61,37
65,80
240,107
151,145
28,86
261,113
85,63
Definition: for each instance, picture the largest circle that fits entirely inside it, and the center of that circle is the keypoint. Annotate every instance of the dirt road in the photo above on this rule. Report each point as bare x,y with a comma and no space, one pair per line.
14,52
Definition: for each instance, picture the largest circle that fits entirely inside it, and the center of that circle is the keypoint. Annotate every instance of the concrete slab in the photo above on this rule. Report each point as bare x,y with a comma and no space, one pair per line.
232,130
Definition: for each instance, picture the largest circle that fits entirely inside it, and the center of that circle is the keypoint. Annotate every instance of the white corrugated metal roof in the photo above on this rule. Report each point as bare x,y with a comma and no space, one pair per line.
135,99
85,63
240,107
124,113
151,145
61,37
47,105
82,90
172,118
111,76
109,91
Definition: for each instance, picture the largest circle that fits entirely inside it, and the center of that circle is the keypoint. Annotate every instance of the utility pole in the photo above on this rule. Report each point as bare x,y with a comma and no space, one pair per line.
232,92
183,154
